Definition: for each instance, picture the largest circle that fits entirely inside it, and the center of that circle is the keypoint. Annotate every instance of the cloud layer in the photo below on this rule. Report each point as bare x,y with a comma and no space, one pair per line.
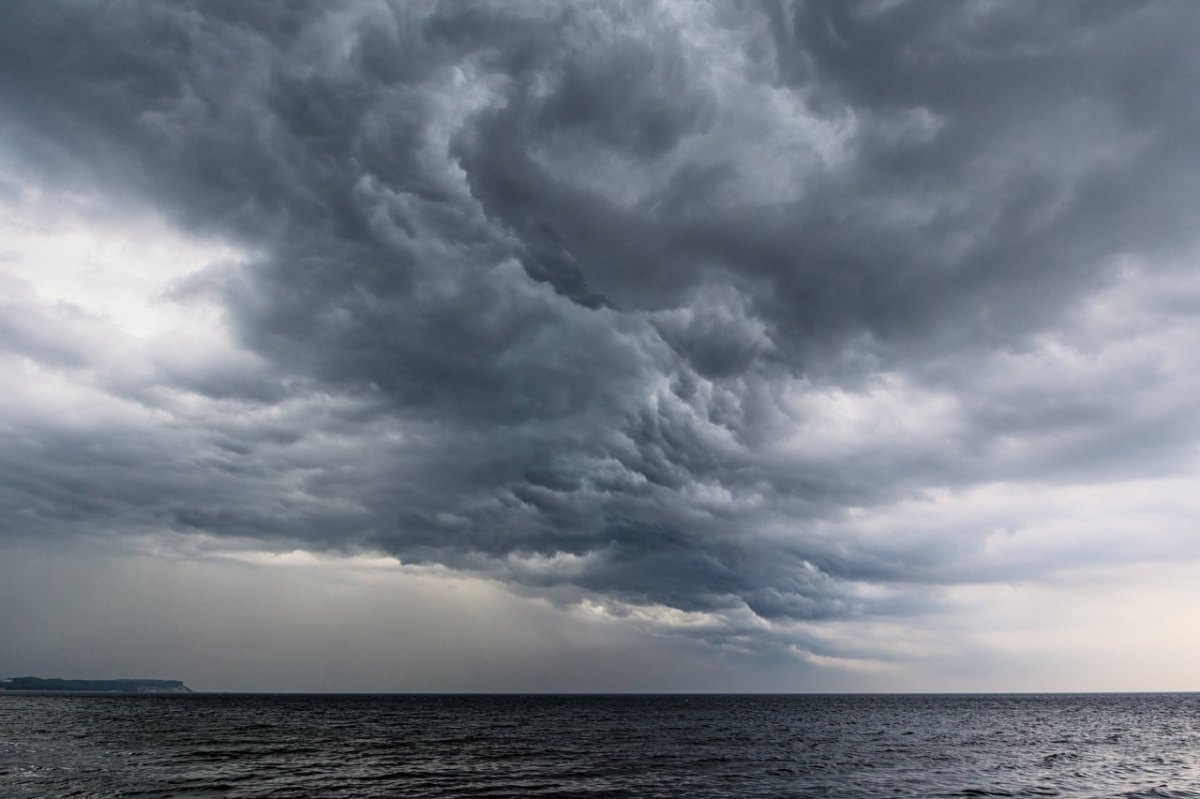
750,317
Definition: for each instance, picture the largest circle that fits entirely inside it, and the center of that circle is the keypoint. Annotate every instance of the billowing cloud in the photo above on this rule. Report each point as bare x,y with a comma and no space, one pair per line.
750,320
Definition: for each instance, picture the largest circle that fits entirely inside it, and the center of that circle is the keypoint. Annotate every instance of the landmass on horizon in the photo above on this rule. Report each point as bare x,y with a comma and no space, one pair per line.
124,686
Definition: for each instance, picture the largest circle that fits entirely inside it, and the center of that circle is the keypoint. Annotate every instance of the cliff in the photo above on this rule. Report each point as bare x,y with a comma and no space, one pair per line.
95,686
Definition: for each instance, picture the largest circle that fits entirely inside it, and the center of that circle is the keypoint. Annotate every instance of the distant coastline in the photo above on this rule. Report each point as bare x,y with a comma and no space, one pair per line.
126,686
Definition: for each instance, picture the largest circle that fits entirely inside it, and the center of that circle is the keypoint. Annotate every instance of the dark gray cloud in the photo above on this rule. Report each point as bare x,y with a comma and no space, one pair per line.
642,303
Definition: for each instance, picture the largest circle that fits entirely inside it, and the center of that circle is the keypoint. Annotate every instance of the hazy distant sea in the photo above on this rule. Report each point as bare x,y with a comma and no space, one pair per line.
214,745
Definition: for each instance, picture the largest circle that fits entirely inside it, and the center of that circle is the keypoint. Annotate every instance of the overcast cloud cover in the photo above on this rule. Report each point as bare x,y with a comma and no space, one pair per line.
816,339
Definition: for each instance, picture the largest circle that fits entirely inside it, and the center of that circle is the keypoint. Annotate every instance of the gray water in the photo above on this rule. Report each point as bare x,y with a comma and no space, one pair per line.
213,745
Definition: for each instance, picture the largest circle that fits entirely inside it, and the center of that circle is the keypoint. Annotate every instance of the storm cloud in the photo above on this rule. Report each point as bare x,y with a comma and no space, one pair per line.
744,317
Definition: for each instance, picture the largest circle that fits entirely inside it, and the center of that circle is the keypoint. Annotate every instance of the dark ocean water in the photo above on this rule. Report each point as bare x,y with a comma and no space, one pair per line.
213,745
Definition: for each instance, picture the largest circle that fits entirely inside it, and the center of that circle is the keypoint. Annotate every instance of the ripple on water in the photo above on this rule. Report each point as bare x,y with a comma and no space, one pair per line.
245,747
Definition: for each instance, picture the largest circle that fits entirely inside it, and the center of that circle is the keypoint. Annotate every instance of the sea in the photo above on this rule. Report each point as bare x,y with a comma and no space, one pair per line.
228,745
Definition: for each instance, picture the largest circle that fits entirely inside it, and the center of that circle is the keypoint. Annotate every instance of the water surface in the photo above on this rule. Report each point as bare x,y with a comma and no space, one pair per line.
217,745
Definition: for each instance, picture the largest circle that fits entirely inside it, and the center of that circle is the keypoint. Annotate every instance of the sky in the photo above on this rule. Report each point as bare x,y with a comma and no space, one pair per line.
601,346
